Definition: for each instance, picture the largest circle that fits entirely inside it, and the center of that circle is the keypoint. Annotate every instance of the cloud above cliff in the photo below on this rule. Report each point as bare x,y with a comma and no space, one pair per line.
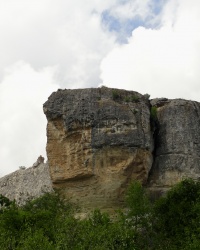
149,46
162,61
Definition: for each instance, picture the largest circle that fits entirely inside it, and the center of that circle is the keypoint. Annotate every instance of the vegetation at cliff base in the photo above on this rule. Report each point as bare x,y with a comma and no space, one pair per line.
171,222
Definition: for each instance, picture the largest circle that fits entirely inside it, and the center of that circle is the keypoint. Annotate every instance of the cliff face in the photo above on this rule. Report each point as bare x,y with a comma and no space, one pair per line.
177,143
97,141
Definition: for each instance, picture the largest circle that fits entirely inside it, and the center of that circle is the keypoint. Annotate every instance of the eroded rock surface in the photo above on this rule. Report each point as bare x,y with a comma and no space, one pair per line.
97,141
25,184
177,145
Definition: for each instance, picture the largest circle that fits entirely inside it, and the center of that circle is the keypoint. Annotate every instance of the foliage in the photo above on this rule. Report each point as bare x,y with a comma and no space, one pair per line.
178,213
134,98
102,233
48,223
153,113
170,223
154,120
38,218
36,240
51,202
127,99
138,203
140,215
4,202
115,95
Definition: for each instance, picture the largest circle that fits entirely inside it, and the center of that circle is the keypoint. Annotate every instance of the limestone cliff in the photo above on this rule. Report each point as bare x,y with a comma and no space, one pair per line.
177,143
97,141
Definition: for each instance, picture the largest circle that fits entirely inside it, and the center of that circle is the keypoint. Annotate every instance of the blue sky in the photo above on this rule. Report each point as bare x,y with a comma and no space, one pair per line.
158,5
148,46
123,27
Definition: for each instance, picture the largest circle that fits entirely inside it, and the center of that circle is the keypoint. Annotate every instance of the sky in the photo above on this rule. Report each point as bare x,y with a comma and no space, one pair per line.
149,46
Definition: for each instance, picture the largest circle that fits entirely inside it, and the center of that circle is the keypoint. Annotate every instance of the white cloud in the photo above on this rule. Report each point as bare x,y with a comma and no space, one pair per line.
22,129
46,43
131,9
42,42
161,62
65,33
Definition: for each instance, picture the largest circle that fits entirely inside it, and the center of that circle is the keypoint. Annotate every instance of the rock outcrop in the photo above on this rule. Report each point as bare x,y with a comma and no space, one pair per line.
177,143
97,141
25,184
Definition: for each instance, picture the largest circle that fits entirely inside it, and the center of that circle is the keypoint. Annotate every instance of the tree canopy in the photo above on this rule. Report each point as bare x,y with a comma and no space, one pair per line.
171,222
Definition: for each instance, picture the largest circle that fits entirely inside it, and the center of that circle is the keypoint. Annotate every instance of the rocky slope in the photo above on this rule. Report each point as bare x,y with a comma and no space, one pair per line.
24,184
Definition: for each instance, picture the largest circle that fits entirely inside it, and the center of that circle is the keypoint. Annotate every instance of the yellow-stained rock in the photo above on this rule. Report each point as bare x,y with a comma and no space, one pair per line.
98,140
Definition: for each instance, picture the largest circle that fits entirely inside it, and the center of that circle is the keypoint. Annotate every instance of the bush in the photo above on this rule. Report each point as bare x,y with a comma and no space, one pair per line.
51,202
138,204
153,113
44,215
171,223
115,95
4,202
127,99
101,233
178,213
139,215
134,98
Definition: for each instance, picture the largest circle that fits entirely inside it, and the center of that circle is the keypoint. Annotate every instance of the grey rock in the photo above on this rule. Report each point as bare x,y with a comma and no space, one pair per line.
98,140
158,102
177,143
40,160
26,184
96,108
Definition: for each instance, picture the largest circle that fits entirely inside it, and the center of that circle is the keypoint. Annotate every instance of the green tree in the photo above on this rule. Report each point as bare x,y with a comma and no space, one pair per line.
99,232
35,241
4,202
139,205
178,213
43,215
139,215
